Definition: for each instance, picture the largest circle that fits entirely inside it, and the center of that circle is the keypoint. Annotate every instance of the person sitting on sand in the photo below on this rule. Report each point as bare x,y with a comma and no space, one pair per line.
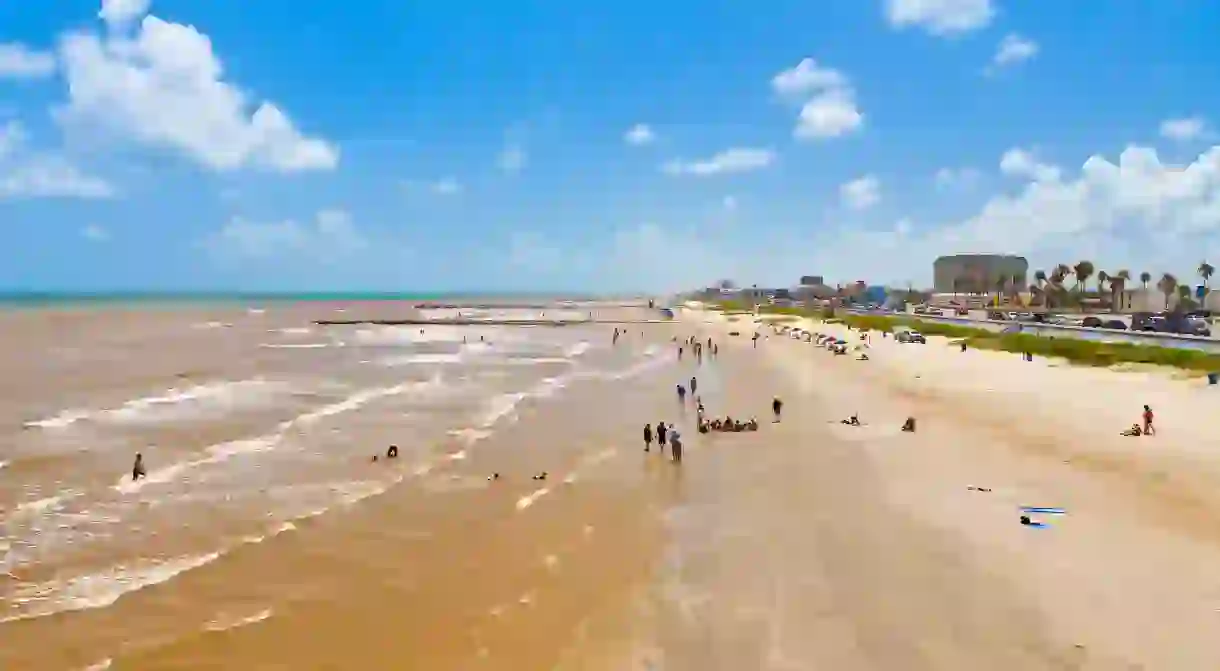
1133,431
540,476
715,425
493,476
752,425
862,357
909,425
854,420
739,426
137,468
392,453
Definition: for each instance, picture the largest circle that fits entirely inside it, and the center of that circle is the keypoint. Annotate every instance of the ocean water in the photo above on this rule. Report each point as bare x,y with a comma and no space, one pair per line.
249,421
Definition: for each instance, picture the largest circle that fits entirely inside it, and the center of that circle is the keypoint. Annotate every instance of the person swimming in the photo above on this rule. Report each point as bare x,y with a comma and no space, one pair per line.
137,468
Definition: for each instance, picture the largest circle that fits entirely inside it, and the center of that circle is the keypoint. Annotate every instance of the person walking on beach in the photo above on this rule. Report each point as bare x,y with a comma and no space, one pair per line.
661,431
755,339
1149,429
681,394
694,385
777,407
675,446
679,354
137,468
647,437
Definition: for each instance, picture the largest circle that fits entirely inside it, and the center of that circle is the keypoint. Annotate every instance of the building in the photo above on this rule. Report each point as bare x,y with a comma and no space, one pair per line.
978,273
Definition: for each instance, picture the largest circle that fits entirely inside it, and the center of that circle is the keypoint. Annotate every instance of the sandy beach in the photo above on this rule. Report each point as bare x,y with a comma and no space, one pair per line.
805,545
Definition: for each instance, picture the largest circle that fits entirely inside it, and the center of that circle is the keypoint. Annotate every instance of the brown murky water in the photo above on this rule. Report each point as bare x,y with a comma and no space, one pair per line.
264,537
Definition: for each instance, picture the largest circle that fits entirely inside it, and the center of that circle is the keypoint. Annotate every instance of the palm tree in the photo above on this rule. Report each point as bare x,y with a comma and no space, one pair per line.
1206,271
1102,278
1145,278
1083,270
1167,285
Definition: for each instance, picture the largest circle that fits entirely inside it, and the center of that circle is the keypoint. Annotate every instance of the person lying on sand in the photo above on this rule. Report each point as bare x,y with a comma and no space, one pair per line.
1133,431
909,425
862,357
137,468
540,476
854,420
493,476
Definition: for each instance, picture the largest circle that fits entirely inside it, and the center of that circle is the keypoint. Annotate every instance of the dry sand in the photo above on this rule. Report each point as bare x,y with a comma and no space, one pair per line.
1128,578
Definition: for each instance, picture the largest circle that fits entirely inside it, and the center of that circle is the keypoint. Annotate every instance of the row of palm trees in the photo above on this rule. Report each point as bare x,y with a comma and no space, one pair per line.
1051,290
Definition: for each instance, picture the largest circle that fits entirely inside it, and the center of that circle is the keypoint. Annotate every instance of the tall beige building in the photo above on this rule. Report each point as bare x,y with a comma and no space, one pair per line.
978,273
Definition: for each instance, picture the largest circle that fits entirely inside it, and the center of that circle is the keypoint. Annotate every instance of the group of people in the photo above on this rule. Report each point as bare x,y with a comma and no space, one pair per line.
665,435
1146,429
728,425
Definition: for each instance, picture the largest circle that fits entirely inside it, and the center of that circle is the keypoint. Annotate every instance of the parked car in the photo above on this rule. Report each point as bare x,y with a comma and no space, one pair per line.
1091,322
1115,324
912,337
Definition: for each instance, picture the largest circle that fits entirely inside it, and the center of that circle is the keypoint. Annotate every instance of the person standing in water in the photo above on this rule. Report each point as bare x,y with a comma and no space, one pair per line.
777,406
137,468
647,437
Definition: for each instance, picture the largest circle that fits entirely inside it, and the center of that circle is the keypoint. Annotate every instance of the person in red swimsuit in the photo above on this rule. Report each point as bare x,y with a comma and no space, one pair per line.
1149,429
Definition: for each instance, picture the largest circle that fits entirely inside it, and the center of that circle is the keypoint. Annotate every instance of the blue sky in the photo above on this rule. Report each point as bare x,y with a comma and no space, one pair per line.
539,145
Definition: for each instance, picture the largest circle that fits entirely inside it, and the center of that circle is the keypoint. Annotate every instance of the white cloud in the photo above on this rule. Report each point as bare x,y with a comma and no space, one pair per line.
1183,130
737,159
830,108
164,87
95,233
120,13
1014,49
52,177
730,203
829,115
639,134
26,174
808,77
956,178
1136,213
1019,162
17,61
940,17
512,159
862,193
330,237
